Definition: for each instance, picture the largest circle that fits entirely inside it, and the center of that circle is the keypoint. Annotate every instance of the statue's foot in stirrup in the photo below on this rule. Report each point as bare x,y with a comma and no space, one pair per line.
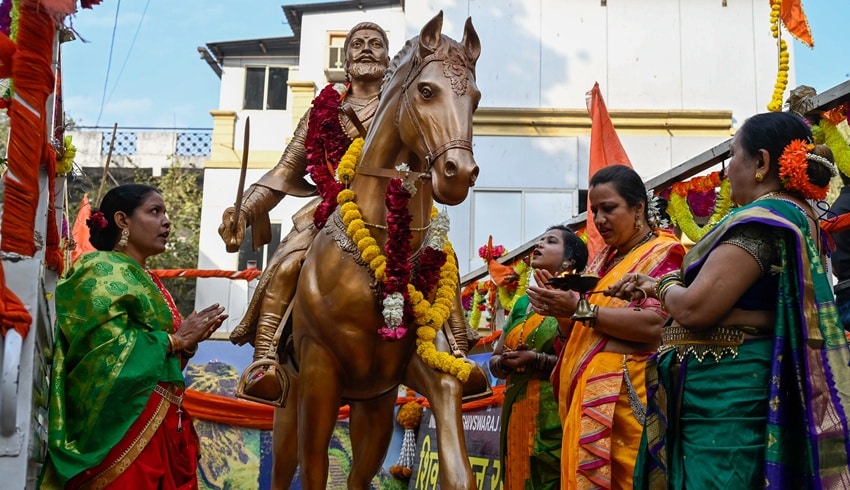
265,380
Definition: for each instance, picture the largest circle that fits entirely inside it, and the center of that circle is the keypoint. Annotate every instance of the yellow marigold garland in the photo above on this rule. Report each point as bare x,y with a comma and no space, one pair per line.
477,300
681,214
66,159
507,298
775,104
428,317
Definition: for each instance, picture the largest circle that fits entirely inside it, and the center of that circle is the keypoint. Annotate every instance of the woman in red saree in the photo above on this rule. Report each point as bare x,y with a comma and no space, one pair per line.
115,415
599,379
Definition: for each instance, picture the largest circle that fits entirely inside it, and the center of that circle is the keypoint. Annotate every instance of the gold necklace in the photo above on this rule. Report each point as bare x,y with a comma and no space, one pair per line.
770,195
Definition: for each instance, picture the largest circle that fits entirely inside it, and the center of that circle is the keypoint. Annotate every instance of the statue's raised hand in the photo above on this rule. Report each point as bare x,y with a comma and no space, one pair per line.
232,232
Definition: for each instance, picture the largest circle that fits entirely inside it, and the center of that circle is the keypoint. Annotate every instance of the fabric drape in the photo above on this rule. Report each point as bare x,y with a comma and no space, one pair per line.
601,432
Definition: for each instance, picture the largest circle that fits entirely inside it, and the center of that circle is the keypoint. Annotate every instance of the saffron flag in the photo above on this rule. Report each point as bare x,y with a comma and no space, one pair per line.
605,150
80,234
794,19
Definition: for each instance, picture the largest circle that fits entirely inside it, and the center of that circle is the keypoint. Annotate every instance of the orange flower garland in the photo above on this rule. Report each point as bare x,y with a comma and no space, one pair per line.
680,213
793,170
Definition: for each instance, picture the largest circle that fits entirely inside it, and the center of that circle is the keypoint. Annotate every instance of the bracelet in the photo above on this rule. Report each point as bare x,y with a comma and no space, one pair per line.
170,349
665,282
189,353
543,363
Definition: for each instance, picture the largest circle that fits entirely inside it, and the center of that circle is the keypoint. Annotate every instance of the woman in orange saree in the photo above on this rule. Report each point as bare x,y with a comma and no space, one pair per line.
599,379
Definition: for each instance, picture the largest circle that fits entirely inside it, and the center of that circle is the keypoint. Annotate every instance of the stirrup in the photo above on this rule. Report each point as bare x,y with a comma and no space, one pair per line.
266,380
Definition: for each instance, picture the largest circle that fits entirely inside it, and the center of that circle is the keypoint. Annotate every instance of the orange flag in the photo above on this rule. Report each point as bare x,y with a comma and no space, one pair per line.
791,12
605,149
80,233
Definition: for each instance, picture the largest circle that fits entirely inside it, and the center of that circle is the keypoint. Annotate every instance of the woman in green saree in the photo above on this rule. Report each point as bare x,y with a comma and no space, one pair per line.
115,416
525,355
753,384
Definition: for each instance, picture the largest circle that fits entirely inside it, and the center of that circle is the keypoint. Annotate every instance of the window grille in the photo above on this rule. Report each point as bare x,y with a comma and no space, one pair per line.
125,143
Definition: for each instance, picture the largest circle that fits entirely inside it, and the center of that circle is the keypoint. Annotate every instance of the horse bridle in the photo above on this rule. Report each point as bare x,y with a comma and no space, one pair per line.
431,153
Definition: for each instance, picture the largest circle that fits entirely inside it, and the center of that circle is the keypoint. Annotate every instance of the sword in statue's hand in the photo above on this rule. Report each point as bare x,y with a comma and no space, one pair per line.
241,189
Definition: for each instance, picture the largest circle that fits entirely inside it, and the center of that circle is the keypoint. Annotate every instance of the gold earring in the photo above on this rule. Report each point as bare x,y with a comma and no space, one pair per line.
759,177
125,235
638,224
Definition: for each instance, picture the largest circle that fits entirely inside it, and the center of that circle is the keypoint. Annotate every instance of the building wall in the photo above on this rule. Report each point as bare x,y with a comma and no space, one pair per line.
677,75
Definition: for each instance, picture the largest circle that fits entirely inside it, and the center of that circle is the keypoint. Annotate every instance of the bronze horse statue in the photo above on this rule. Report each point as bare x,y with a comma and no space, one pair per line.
424,119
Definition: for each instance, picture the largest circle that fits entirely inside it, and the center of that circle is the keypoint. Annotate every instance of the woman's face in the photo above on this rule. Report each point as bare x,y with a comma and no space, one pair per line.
149,228
548,254
741,173
612,215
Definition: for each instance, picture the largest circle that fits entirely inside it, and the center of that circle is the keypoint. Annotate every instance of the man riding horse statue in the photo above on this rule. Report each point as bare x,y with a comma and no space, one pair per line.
353,341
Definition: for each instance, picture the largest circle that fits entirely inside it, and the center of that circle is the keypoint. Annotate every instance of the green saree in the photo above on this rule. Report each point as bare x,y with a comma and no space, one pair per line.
110,349
772,414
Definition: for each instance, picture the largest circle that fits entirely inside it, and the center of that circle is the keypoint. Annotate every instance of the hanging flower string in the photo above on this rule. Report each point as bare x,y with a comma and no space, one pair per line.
508,295
831,137
403,300
681,213
775,104
409,416
326,143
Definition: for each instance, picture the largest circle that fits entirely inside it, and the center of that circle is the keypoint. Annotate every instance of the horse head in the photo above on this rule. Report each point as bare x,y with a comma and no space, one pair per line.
434,116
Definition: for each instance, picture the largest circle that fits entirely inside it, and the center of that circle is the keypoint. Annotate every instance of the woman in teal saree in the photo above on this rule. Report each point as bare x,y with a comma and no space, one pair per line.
753,386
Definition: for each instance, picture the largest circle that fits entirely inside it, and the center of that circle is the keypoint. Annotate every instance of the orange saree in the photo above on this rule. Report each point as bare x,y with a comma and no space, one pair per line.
601,424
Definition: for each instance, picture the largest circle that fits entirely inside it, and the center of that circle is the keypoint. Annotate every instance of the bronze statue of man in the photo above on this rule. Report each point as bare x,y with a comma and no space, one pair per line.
339,114
366,59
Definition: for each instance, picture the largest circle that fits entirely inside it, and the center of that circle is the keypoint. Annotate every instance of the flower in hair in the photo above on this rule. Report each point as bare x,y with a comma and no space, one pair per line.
97,221
793,170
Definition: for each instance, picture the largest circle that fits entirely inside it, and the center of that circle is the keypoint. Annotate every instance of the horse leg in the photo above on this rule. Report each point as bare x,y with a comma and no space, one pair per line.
284,442
318,409
444,393
371,430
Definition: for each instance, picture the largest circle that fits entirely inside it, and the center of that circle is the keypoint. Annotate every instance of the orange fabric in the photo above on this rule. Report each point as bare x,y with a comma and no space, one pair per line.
500,274
81,233
837,224
32,79
489,339
247,274
241,413
791,12
13,314
53,256
522,427
7,51
605,150
589,381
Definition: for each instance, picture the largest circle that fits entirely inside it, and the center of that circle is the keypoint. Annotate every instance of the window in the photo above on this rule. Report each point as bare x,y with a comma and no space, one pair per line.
265,88
336,53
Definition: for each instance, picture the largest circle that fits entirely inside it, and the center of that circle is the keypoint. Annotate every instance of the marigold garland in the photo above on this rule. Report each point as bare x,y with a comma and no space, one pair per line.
794,173
507,295
426,315
775,104
478,304
680,213
409,416
66,160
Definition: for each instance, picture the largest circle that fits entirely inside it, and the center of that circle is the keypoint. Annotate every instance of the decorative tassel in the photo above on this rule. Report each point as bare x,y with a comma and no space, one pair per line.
409,416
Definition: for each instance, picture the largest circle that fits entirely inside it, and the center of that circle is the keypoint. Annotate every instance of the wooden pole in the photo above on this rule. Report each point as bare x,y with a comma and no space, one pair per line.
106,165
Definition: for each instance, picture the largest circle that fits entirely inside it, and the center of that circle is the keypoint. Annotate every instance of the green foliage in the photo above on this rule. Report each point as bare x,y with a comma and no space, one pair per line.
180,187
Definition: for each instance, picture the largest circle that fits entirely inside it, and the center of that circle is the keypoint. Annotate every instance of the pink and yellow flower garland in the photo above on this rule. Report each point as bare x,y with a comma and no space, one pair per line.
680,213
401,295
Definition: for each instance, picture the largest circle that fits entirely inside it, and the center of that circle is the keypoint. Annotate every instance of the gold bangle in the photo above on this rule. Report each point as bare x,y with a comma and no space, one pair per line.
170,349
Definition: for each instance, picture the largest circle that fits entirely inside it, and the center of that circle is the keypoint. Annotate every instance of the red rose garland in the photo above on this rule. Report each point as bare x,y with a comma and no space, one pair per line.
326,143
397,250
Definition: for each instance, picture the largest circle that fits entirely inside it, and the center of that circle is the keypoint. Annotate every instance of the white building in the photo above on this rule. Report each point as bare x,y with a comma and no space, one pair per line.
677,77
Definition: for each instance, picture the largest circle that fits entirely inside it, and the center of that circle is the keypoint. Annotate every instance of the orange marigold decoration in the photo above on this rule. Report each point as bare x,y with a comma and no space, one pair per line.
408,417
793,170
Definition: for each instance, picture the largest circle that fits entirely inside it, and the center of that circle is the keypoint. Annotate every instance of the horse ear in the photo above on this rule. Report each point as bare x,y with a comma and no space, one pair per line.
471,41
429,37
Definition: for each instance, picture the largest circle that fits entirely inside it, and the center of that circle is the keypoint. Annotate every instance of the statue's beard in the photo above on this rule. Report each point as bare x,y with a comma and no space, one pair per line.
368,71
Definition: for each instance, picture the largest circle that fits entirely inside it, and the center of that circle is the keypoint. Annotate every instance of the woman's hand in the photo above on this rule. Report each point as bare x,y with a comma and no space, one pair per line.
549,301
519,358
198,326
632,287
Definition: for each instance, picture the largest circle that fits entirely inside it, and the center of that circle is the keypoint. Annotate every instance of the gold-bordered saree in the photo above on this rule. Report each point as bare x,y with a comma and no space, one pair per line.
601,431
111,339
